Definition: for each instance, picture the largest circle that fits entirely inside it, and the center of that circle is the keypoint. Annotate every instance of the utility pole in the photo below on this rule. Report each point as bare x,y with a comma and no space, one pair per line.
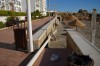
49,7
93,26
30,42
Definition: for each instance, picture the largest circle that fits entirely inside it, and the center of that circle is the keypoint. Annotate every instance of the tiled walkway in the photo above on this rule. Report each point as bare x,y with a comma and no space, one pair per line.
8,55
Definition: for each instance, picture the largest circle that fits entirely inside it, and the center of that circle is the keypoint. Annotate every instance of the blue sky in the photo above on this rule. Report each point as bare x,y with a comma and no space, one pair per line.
74,5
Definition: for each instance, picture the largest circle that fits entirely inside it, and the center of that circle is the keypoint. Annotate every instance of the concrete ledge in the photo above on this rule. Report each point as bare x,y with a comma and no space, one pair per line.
43,33
50,27
79,44
38,38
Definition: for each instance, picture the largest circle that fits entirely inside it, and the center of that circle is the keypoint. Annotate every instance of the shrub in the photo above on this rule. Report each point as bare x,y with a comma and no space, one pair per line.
11,13
2,25
3,13
20,14
9,21
36,14
47,14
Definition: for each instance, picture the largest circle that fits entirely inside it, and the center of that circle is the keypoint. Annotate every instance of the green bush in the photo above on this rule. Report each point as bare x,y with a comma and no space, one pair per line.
3,13
11,13
47,14
36,14
20,14
9,21
2,25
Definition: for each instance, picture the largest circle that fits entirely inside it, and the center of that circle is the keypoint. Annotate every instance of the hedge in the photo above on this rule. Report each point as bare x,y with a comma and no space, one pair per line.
2,25
11,13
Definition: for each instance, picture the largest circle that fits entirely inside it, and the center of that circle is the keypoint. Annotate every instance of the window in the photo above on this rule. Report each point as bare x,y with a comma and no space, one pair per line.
14,8
19,9
16,2
19,3
0,2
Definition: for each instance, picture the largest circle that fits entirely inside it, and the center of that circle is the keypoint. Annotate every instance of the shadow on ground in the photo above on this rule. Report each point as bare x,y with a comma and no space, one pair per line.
27,59
7,46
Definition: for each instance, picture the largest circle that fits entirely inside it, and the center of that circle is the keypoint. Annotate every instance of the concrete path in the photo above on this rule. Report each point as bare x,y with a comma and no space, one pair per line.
8,55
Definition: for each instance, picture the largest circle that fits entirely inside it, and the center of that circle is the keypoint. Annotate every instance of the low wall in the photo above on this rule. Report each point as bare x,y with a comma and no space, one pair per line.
3,18
40,36
71,44
79,44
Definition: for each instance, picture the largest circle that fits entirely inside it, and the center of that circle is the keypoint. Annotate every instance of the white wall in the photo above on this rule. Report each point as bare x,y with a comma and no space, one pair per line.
24,7
3,18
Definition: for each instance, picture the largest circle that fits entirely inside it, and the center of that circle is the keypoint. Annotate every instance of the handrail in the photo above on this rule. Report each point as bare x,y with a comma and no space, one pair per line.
32,61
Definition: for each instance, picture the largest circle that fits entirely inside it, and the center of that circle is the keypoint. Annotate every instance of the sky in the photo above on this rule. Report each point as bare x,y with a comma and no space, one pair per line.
74,5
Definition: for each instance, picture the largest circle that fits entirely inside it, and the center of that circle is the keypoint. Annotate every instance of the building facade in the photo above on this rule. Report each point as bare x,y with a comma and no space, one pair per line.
36,5
14,5
41,6
44,7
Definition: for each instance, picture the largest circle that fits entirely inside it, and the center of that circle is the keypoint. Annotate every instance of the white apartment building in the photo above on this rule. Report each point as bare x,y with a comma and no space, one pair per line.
44,7
11,5
36,5
41,6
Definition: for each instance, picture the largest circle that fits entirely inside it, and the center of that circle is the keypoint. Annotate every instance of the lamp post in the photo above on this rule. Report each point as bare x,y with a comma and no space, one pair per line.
30,42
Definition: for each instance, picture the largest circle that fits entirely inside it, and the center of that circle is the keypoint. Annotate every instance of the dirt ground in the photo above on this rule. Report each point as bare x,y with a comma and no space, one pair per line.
60,38
60,41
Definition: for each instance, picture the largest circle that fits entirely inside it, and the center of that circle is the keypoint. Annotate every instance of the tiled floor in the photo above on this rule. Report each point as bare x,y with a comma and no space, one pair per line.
8,55
45,57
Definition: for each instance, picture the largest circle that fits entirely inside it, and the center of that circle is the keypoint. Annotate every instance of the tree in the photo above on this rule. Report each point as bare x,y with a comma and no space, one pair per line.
36,13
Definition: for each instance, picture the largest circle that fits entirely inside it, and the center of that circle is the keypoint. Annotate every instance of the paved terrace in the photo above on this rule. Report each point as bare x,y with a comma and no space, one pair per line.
56,46
8,55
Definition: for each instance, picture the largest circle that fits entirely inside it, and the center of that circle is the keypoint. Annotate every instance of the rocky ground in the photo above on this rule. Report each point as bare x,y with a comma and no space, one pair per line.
60,37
